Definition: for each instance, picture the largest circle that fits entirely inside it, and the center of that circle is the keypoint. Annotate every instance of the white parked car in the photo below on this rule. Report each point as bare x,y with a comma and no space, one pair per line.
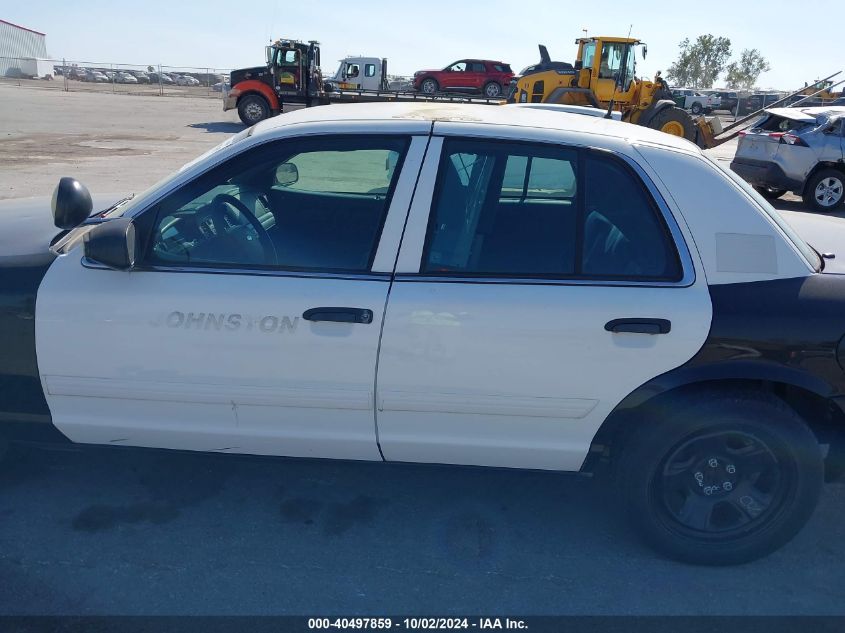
427,282
695,101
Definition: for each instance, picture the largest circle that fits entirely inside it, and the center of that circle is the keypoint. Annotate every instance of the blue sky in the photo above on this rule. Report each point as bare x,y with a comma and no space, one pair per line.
412,35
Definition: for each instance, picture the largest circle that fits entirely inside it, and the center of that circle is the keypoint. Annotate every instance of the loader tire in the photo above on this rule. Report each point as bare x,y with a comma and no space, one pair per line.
674,121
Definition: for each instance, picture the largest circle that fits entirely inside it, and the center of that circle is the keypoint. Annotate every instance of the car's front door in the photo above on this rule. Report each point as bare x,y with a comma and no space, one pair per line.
537,288
252,323
455,75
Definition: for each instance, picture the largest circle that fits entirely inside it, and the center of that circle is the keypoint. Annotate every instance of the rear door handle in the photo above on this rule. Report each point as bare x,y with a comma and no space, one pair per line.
639,326
339,315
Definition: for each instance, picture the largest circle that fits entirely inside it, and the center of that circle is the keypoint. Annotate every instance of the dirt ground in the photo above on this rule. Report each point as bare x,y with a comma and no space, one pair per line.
113,143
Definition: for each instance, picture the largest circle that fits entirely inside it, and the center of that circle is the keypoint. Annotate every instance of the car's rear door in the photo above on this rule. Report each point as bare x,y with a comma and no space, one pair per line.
537,287
212,343
476,75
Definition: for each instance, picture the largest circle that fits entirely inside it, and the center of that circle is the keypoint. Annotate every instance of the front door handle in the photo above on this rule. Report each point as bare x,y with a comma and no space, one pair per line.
639,326
339,315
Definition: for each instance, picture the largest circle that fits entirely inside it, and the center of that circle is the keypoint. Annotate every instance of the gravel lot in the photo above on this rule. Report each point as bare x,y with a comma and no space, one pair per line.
92,531
113,143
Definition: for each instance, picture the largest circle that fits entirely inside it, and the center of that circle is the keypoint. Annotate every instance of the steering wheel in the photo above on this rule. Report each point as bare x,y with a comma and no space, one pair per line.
227,210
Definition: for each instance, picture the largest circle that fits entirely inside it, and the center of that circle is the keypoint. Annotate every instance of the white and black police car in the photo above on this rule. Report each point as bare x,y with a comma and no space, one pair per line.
454,284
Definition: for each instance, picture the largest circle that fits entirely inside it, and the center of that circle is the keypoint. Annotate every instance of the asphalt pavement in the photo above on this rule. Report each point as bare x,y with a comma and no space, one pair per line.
117,531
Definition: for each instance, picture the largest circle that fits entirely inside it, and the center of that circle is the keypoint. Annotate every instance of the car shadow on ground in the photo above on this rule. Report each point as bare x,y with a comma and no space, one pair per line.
218,127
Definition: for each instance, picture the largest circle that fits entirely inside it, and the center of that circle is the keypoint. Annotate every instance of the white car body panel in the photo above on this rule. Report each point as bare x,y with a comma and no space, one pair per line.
736,240
519,375
172,369
498,373
275,384
515,374
616,115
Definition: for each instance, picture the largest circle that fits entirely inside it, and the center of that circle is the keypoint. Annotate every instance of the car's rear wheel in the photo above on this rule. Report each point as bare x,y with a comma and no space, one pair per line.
721,479
825,190
696,108
770,193
252,109
429,86
492,90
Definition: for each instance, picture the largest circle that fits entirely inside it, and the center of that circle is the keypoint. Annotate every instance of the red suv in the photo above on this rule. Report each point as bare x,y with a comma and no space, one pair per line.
477,75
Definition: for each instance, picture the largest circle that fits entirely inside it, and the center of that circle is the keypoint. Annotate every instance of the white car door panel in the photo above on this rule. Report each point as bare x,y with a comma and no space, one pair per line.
208,361
520,376
519,373
224,359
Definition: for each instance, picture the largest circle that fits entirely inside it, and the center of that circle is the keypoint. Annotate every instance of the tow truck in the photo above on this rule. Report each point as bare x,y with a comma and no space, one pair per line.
291,75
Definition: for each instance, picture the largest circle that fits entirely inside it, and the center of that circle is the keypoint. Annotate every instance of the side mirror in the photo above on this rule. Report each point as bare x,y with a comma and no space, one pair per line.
286,174
645,51
113,244
71,204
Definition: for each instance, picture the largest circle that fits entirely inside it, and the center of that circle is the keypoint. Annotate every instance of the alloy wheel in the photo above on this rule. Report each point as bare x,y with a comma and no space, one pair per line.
828,192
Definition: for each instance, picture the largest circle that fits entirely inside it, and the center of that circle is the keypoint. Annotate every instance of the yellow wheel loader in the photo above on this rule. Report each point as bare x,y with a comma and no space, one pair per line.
604,76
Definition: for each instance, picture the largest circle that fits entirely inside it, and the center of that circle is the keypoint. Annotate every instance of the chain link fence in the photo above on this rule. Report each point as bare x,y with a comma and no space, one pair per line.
77,76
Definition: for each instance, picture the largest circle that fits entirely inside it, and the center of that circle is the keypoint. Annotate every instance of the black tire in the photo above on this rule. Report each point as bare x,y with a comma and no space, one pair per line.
696,108
775,484
825,190
770,193
668,116
252,109
492,90
429,86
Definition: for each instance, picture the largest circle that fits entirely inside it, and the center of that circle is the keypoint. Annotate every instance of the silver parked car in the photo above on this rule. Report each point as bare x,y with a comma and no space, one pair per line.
796,149
125,77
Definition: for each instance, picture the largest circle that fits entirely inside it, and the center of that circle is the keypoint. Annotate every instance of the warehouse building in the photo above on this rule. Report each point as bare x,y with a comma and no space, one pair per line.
17,43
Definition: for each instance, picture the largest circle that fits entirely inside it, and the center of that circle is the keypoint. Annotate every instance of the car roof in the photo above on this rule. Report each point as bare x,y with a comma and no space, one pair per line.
490,115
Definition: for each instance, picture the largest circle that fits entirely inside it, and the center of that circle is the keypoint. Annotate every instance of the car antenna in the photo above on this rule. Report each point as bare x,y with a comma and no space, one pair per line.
624,60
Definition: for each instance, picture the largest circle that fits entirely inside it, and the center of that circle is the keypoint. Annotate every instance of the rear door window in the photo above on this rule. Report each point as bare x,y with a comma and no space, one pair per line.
624,235
525,210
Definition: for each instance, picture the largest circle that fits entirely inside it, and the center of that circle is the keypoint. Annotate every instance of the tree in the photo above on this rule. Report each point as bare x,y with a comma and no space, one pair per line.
701,62
743,74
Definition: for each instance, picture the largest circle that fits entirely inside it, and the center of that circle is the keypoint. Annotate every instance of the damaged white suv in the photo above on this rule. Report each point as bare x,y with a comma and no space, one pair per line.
801,150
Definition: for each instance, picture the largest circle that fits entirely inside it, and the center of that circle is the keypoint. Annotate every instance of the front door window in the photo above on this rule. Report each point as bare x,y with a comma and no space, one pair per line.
311,204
